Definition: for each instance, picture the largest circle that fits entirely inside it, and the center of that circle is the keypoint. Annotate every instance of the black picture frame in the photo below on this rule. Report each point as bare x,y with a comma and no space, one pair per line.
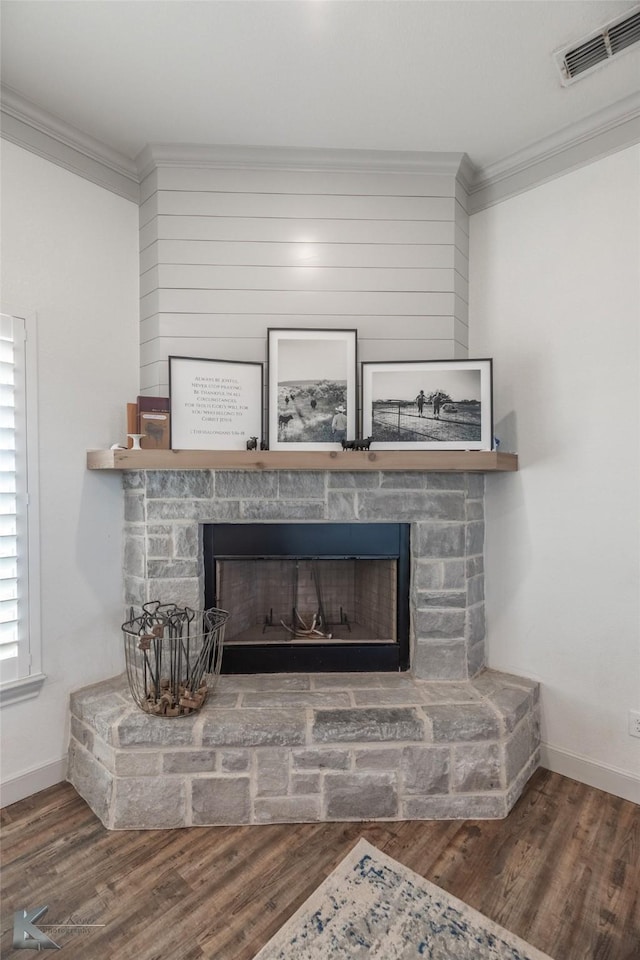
428,405
312,394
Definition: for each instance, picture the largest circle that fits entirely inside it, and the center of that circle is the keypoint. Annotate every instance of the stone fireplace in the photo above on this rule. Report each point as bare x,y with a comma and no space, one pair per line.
165,513
445,738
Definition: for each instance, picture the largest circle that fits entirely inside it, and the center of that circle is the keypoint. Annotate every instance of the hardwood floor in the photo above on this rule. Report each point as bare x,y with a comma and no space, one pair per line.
562,871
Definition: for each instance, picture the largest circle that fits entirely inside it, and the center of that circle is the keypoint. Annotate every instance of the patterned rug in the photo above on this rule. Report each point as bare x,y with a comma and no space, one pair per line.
373,907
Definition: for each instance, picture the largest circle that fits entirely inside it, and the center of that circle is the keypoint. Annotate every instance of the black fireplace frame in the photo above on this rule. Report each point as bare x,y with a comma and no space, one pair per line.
370,541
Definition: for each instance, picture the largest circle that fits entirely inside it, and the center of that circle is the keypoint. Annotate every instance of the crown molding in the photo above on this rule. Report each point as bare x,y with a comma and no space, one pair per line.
596,136
42,133
298,158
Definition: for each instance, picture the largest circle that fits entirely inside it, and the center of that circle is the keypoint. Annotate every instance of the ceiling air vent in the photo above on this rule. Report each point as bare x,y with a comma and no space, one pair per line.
614,38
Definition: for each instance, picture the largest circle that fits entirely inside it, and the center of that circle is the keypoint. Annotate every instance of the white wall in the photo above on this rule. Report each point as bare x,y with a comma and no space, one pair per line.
227,253
555,299
69,255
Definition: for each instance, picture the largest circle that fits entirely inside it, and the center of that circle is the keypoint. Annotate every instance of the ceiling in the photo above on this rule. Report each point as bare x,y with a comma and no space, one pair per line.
473,76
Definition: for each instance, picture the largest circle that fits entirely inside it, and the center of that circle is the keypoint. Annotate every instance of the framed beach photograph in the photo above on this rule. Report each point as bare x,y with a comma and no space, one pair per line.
215,404
428,405
312,388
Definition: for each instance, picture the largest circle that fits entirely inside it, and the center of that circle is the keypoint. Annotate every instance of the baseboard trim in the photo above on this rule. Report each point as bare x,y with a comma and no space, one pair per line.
601,776
32,781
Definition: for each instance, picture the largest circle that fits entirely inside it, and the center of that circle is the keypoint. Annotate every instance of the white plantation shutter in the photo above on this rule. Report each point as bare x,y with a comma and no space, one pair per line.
17,535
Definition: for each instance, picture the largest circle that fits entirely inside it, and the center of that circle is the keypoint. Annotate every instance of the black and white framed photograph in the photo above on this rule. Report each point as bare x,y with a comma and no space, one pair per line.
312,388
428,405
215,404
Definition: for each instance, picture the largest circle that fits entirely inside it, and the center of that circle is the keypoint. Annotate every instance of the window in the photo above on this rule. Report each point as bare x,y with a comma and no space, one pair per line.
20,675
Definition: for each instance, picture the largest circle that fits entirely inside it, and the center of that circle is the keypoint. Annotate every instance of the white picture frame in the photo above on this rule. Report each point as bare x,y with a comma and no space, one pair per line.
215,404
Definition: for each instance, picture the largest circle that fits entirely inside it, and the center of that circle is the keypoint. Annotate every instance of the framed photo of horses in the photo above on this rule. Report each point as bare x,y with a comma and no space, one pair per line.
312,397
216,404
428,405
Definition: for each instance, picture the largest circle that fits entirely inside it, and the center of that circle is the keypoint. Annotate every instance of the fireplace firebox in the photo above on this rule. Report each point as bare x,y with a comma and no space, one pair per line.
305,597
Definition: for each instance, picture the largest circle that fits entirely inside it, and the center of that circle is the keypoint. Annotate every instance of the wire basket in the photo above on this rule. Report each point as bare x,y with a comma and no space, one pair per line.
173,656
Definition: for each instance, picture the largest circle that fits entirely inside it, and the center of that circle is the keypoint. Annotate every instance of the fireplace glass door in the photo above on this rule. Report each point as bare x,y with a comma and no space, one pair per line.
310,596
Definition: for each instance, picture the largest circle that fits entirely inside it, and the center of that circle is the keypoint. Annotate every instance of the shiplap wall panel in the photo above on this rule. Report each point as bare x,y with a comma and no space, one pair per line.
226,253
301,230
324,182
206,277
310,302
297,206
253,326
283,254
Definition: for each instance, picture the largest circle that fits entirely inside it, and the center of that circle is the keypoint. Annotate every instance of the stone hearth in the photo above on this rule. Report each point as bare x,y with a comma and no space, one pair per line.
447,740
300,748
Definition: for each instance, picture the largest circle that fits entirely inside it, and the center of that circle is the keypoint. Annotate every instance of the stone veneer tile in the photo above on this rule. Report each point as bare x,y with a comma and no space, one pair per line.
245,485
220,800
186,540
439,624
301,484
304,784
133,479
378,758
234,761
263,682
343,480
138,729
513,703
464,721
520,746
196,510
134,507
405,480
142,763
451,693
425,770
171,569
179,485
319,759
254,728
288,810
302,698
361,796
439,541
272,773
476,767
149,803
341,506
92,781
377,697
189,761
409,504
440,659
282,510
459,807
474,542
367,724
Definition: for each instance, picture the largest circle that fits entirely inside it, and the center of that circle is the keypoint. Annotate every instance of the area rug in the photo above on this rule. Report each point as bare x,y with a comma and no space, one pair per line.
373,907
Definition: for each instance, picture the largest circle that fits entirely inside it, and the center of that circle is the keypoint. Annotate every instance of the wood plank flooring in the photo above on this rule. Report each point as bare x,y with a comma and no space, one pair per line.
562,871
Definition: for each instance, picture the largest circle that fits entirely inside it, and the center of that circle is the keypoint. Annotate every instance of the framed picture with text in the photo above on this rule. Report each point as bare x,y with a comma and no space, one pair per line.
428,405
215,404
312,388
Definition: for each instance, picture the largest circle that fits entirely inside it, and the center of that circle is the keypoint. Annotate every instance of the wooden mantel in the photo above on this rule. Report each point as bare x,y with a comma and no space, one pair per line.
444,461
